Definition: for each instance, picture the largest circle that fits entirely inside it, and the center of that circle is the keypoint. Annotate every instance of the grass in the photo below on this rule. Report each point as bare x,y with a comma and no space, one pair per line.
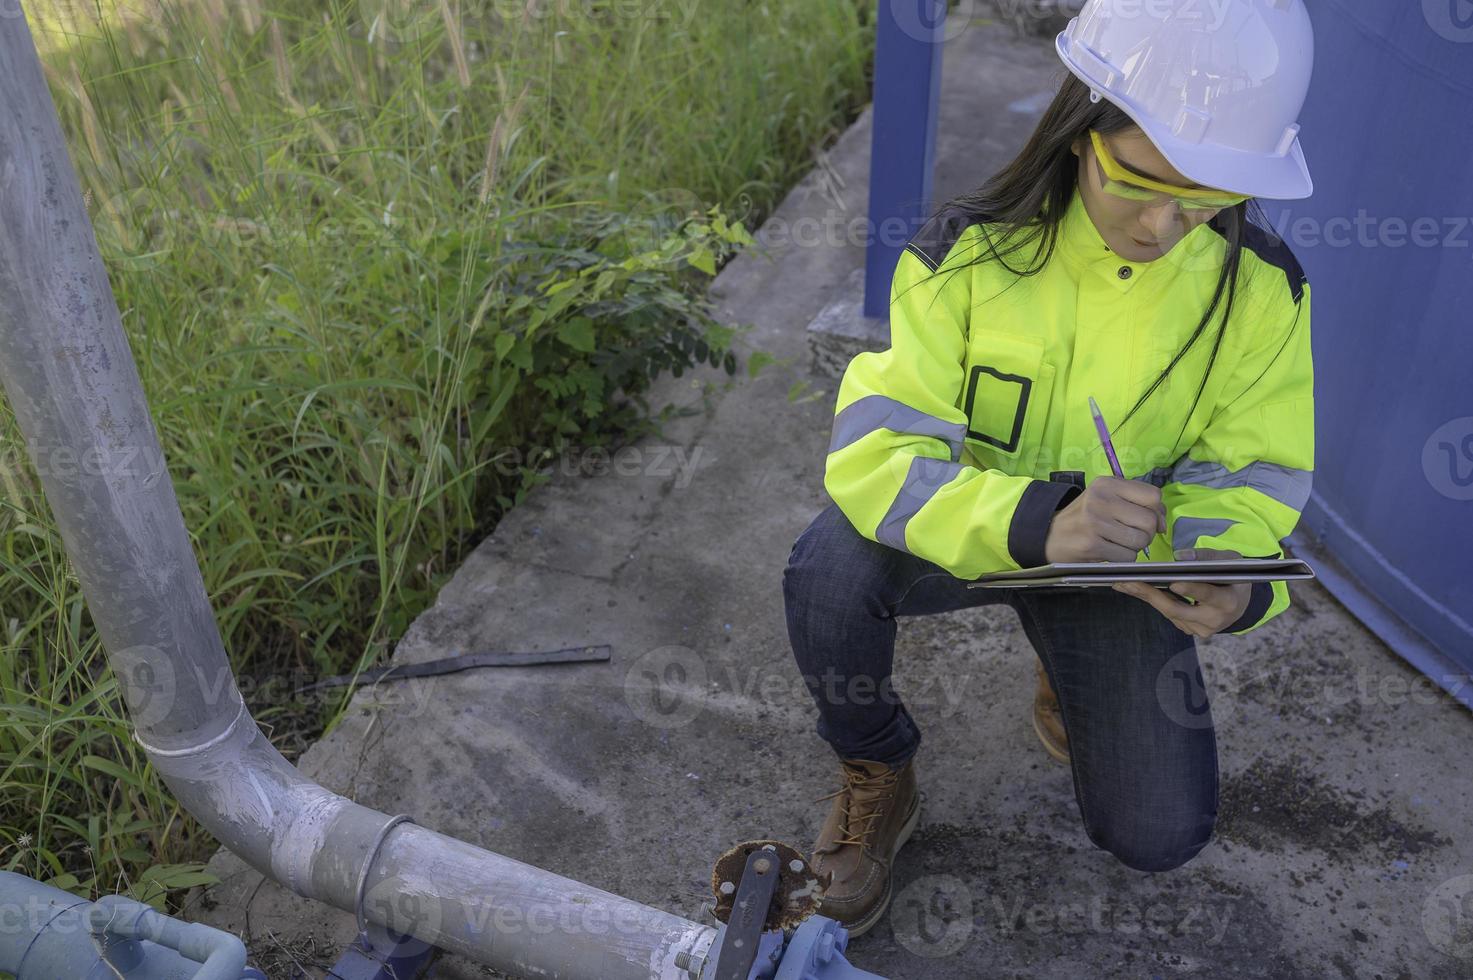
376,260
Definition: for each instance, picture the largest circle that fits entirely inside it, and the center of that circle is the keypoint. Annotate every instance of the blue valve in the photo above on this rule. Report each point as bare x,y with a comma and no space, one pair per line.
815,952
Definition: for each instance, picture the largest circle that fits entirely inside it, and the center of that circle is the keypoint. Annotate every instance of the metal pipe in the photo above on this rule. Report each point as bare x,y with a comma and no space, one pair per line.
218,954
46,933
71,380
28,910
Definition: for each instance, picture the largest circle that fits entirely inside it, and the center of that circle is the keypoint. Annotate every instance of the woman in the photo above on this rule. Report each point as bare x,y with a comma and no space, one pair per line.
1113,259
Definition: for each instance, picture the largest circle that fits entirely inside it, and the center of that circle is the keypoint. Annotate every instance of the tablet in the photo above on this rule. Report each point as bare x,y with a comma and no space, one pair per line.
1158,573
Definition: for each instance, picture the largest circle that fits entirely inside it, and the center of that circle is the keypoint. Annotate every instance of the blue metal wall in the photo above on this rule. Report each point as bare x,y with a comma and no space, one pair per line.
1387,243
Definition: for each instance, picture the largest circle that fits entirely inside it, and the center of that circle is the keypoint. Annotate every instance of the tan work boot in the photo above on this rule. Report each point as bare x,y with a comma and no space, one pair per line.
1048,720
874,813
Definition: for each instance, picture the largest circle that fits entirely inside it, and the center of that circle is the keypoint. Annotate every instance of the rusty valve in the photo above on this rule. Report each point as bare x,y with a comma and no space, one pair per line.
795,898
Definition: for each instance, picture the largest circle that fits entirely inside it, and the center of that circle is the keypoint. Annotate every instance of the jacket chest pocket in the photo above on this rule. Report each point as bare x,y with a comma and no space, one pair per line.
1005,398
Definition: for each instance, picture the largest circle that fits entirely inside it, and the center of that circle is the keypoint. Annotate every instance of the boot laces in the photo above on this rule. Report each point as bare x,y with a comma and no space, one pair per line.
861,789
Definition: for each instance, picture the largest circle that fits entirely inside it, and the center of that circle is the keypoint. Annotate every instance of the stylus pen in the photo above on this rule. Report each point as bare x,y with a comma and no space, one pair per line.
1104,434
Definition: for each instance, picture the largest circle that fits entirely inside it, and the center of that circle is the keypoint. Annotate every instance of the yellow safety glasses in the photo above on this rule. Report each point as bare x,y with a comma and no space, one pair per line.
1133,187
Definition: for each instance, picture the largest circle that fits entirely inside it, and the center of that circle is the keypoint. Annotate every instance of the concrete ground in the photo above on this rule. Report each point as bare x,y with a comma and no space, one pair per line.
1344,846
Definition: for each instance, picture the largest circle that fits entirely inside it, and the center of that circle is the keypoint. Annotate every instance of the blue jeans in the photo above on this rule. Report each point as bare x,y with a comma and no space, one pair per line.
1141,743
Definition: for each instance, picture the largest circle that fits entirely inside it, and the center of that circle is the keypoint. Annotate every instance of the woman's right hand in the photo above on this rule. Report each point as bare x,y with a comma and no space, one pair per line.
1111,520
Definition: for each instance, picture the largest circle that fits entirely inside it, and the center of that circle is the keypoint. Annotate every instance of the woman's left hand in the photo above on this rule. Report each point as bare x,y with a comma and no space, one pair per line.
1216,605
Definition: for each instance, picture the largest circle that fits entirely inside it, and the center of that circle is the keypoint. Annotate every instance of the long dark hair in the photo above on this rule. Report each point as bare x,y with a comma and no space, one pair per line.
1023,203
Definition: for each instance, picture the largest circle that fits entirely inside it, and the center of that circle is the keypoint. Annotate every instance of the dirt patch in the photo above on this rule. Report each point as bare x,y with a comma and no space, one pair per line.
1278,802
1041,907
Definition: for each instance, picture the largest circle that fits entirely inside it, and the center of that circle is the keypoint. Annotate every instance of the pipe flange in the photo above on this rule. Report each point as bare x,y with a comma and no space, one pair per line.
373,850
799,888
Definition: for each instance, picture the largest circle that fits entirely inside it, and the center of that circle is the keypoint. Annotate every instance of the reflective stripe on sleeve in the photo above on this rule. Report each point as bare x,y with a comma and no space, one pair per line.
1285,484
1186,530
925,476
879,412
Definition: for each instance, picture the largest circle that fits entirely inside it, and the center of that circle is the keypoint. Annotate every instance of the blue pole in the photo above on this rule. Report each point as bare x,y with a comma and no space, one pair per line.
907,86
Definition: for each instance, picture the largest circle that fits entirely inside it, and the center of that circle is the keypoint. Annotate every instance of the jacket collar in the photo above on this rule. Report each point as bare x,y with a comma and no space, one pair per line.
1081,245
1079,240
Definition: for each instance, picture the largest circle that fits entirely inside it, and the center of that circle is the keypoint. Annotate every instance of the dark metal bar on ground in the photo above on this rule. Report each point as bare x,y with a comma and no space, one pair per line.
465,661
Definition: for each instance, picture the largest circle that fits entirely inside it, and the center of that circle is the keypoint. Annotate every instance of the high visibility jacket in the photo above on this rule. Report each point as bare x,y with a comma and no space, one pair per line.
943,445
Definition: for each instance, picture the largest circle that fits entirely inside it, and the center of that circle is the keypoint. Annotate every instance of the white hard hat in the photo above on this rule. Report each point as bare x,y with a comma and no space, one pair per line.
1216,85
